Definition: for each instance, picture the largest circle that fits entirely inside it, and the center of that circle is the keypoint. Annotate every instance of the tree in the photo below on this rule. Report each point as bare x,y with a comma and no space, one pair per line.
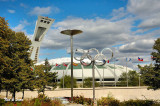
151,73
147,74
14,58
51,79
5,35
50,76
88,83
47,66
27,78
67,82
44,78
40,78
133,78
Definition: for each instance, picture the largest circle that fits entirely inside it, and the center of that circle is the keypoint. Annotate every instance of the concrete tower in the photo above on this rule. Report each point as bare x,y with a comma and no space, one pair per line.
42,26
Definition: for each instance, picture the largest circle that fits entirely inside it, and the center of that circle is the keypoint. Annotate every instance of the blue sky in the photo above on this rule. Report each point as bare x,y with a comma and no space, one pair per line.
128,27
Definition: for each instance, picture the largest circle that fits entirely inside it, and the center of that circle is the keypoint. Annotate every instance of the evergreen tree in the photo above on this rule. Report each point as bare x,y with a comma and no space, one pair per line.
133,78
40,78
50,76
51,79
47,66
44,78
156,57
151,73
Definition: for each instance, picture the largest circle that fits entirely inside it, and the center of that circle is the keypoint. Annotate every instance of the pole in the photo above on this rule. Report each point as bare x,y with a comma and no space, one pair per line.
71,33
93,74
55,72
114,74
82,76
63,79
139,77
139,81
71,68
127,72
63,75
103,76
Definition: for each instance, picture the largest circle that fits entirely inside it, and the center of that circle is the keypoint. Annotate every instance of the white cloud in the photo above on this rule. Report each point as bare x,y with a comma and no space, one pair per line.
11,11
23,5
21,26
150,23
40,11
98,33
143,7
44,10
118,13
140,46
147,11
18,28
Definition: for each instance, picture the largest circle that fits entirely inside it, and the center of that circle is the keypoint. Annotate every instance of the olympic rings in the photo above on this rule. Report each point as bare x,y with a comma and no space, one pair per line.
84,54
79,51
93,55
102,52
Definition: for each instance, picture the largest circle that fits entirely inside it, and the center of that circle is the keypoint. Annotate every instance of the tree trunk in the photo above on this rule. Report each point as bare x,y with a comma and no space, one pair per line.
14,94
23,94
7,93
43,89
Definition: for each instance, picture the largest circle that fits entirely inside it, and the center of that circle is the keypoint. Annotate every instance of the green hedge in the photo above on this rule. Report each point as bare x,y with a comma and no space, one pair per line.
140,103
81,100
2,102
108,101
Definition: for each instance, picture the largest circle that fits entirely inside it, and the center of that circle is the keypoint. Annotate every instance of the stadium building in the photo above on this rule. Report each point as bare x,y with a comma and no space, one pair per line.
109,72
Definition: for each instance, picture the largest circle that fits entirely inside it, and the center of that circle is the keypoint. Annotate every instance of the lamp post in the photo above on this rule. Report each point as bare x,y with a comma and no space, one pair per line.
71,33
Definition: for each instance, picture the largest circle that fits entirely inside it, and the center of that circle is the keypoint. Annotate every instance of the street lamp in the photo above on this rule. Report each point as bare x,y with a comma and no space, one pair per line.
71,33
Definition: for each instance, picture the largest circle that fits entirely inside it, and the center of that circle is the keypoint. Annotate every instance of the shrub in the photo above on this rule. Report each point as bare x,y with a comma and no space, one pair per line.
88,83
108,101
67,82
81,100
41,98
105,101
56,102
2,102
138,103
9,103
88,101
37,102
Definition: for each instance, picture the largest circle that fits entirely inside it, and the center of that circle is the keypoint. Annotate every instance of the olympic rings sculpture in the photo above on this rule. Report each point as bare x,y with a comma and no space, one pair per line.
93,55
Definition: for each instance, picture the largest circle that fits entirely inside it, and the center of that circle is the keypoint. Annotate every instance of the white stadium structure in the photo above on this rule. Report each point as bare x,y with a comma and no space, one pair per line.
81,72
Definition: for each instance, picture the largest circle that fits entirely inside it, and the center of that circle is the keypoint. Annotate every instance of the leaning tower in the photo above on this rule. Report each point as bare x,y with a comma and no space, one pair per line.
42,26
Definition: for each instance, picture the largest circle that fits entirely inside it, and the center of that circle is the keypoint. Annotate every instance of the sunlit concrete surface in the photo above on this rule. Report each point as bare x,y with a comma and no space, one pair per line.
120,93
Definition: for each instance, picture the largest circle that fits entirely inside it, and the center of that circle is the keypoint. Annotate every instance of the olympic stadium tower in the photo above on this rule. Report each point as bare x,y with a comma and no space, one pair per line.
42,26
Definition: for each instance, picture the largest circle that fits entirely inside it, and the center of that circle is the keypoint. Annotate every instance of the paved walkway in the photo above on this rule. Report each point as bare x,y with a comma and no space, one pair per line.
120,93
